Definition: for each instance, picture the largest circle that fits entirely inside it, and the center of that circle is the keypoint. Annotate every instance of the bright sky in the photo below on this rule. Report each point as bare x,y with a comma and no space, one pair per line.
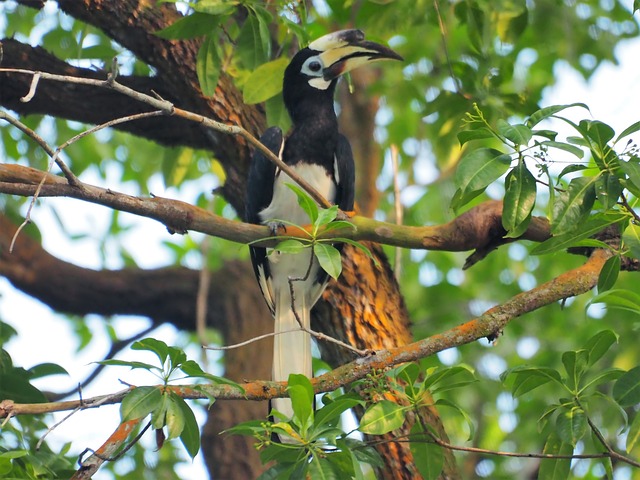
45,337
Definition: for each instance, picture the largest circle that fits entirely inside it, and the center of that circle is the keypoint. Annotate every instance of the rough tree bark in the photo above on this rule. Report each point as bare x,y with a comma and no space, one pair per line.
365,307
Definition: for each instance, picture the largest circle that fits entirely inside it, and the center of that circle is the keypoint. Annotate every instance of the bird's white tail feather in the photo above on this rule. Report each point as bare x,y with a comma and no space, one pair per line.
292,350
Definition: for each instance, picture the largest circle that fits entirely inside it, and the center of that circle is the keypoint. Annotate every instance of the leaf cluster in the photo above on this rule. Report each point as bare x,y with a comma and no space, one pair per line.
167,409
578,207
581,386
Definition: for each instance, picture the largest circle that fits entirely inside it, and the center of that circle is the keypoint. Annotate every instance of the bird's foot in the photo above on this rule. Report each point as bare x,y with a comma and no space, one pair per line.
276,228
345,216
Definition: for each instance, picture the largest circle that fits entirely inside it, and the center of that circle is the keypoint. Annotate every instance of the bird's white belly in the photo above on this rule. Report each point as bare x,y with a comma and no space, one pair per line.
284,203
284,206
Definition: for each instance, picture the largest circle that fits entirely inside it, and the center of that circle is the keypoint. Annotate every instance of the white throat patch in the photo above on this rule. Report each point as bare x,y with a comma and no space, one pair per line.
319,83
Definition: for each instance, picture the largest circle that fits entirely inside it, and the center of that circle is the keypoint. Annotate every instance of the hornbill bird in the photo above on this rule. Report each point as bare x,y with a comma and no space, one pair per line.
319,154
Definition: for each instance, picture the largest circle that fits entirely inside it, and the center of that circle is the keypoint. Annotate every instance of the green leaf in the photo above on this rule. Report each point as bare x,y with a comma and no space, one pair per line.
409,372
567,147
579,141
190,436
519,200
191,26
479,168
343,463
461,197
265,81
603,376
626,390
140,402
301,394
608,190
548,134
570,169
158,347
547,112
174,417
215,7
382,417
592,226
251,46
557,468
363,452
45,370
609,274
15,386
636,6
571,425
453,378
465,136
628,131
159,414
443,402
291,245
176,357
598,131
321,469
176,163
329,259
427,456
126,363
631,238
326,215
510,22
618,298
600,344
208,66
573,206
519,134
575,363
528,378
634,433
330,414
192,369
305,201
632,170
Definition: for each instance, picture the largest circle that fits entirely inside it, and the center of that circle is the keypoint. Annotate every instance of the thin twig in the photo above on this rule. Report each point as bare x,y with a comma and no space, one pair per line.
443,34
55,156
169,109
202,296
397,264
413,438
629,208
116,347
251,340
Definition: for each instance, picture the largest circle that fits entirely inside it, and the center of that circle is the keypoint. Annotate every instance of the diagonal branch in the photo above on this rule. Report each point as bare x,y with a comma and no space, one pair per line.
490,324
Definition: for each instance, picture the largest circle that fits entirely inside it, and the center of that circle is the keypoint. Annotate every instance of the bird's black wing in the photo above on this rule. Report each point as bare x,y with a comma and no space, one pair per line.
345,175
261,176
258,197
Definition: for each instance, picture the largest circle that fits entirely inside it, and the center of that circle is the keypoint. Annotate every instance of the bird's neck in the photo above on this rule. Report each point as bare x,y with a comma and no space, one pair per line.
314,135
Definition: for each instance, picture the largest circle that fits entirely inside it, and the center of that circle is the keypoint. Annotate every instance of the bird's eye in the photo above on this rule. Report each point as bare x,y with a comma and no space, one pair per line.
312,66
315,66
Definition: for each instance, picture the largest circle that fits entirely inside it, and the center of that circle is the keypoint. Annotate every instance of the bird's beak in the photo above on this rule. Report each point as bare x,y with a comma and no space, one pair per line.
346,50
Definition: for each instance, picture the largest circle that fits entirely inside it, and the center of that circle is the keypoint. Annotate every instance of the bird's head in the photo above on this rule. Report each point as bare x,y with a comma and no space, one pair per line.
316,68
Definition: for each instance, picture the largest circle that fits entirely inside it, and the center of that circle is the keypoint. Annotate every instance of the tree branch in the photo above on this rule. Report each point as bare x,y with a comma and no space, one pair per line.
478,228
574,282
